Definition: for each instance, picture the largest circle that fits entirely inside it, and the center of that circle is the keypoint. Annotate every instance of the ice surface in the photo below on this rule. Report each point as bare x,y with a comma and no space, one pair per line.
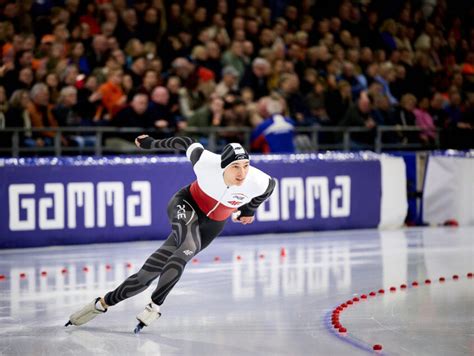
258,304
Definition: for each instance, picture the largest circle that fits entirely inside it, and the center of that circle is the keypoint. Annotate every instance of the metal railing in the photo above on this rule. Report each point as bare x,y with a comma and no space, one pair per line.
316,138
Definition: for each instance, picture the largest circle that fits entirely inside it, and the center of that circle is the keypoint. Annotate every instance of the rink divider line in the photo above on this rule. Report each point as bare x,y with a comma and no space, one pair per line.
346,337
332,318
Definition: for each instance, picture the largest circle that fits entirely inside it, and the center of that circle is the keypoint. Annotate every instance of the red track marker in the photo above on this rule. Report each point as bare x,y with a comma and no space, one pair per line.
377,347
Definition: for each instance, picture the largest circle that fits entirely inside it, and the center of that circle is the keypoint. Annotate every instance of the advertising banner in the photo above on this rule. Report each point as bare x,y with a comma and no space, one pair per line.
50,201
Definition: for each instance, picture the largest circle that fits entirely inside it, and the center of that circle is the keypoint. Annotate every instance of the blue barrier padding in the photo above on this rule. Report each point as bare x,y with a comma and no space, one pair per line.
76,200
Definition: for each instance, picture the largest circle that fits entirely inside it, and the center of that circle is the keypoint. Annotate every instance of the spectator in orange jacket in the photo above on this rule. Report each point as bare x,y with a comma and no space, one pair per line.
113,97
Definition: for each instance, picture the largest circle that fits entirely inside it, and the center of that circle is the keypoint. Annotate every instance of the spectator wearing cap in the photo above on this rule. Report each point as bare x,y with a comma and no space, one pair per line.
256,77
276,133
229,82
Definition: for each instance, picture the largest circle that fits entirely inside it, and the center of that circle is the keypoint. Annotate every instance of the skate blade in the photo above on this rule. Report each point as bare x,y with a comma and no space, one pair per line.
68,323
139,328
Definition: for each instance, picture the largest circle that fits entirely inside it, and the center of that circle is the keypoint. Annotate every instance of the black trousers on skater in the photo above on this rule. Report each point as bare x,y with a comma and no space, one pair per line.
191,232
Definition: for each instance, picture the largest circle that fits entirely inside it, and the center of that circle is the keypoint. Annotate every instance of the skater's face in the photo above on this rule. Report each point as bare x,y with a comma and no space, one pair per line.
236,173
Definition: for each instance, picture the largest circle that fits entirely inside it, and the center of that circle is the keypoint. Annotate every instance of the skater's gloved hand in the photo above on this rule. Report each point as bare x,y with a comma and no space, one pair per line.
144,141
242,219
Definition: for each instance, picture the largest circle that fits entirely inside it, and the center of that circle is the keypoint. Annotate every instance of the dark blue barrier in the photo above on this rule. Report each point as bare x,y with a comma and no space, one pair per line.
50,201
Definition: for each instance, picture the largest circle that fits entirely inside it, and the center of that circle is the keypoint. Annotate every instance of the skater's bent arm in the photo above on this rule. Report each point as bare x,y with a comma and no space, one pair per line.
183,143
250,208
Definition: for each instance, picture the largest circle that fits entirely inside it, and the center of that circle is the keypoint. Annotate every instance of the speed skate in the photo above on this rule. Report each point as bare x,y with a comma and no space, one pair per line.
147,316
87,313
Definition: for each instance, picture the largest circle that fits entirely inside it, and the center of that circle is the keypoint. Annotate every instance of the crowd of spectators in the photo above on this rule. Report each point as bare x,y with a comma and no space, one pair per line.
171,65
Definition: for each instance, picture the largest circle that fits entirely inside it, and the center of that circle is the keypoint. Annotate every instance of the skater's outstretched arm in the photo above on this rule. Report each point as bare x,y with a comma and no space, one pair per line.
173,143
182,143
